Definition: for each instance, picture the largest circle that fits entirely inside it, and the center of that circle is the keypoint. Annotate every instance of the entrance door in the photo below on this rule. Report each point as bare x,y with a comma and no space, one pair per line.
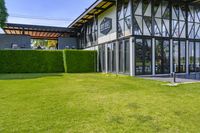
162,53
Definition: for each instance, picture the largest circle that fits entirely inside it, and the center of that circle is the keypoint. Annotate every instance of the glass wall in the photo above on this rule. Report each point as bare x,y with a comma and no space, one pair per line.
127,57
179,56
121,57
124,57
143,55
162,52
102,57
194,56
191,56
111,53
197,56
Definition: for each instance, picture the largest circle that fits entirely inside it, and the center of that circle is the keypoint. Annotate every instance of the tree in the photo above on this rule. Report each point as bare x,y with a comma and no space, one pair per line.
3,13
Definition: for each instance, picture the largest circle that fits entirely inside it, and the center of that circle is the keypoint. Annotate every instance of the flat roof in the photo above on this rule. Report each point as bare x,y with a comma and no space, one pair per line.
95,9
36,31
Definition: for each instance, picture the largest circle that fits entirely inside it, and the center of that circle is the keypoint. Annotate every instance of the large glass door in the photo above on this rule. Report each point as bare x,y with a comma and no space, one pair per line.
124,57
162,53
194,56
102,67
197,56
179,56
143,55
111,57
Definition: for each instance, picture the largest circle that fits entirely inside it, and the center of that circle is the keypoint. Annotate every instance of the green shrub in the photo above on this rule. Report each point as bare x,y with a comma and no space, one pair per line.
80,61
31,61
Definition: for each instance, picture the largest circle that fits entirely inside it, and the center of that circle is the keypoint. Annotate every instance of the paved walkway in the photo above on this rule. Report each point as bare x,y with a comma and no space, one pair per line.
169,79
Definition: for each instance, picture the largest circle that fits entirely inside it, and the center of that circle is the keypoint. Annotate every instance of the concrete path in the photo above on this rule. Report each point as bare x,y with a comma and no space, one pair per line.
192,78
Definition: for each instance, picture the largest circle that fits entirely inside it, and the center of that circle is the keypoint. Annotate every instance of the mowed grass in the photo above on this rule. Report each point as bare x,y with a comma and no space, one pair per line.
96,103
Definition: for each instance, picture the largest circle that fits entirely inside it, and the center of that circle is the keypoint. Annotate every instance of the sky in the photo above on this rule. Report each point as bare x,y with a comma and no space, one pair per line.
46,12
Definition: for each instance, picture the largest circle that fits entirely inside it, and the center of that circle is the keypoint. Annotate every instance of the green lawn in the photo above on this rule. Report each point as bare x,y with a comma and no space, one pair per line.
96,103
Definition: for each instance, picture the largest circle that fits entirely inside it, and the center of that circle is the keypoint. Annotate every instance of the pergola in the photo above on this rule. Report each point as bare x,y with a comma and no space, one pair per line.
36,31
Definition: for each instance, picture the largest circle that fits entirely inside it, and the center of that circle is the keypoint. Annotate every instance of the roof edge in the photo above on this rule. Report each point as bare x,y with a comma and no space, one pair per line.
88,10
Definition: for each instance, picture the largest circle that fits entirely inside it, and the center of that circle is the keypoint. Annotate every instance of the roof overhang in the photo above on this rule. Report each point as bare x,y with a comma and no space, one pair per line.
36,31
94,10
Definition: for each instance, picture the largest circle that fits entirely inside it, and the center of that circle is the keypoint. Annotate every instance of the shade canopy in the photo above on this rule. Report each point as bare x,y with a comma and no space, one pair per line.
35,31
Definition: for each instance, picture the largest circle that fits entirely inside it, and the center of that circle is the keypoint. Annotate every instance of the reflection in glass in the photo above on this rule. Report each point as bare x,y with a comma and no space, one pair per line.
162,57
197,56
121,57
127,56
143,50
176,56
182,57
102,58
191,57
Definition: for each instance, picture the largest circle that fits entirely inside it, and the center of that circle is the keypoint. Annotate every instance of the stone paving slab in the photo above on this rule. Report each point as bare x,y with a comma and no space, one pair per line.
183,79
178,80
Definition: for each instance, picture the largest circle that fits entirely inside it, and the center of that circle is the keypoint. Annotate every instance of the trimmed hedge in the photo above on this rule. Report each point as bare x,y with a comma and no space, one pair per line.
80,61
39,61
31,61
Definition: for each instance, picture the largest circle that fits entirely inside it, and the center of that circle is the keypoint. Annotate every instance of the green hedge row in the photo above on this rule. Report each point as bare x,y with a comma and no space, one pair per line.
31,61
80,61
39,61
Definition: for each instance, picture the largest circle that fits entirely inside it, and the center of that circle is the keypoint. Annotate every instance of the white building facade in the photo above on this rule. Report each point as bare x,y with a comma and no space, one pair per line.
142,37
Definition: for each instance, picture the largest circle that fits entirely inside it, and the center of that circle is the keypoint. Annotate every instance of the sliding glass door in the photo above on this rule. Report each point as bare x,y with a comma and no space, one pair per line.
124,57
162,53
179,56
194,56
102,57
197,56
111,57
143,55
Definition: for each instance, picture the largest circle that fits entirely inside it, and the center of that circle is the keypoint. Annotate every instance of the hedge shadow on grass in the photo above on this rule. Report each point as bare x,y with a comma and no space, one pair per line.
28,76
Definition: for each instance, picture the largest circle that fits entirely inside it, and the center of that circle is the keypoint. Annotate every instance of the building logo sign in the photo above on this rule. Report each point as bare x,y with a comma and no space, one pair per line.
106,26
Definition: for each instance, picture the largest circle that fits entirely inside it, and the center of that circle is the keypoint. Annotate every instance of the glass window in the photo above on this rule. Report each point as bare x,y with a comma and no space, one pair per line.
197,56
162,57
182,57
139,56
179,54
121,57
191,57
109,57
147,56
176,56
127,56
143,50
102,58
114,58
